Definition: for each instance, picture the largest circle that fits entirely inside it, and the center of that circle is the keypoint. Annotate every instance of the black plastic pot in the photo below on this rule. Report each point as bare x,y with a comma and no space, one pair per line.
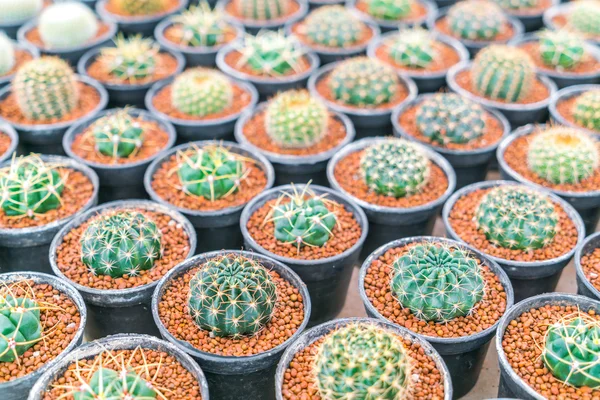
26,249
314,334
229,377
565,94
584,286
312,4
18,389
528,278
389,223
119,342
470,166
11,29
5,79
463,356
118,310
290,168
253,26
217,229
561,9
14,141
328,278
531,21
119,181
386,25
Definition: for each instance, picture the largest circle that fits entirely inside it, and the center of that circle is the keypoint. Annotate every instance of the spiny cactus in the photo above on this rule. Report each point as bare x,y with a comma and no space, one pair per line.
517,4
449,118
140,7
295,119
389,9
117,135
67,25
333,26
561,49
232,296
201,91
20,326
109,384
263,10
412,48
7,54
586,110
362,361
45,89
503,73
476,19
518,218
201,26
15,11
131,59
584,17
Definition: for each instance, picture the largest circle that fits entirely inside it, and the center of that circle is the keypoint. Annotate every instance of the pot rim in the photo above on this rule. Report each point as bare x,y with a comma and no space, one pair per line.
131,20
579,267
429,6
559,9
14,141
528,16
565,93
35,53
269,24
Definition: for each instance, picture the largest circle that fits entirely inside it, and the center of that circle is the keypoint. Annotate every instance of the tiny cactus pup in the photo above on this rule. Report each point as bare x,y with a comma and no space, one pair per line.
586,110
200,26
201,91
131,60
15,11
333,26
7,55
67,25
476,19
20,326
412,48
390,9
263,10
561,49
117,135
584,18
139,7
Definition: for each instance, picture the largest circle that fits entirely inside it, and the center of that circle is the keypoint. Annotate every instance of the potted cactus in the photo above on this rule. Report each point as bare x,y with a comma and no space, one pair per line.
580,17
464,132
14,13
9,140
138,16
586,267
12,56
529,12
391,14
256,15
578,106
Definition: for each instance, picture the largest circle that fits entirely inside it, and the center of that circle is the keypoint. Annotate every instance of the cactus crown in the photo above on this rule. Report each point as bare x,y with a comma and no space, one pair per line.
412,48
389,9
67,24
201,26
263,10
584,17
516,217
362,361
333,26
586,110
517,4
232,296
561,49
563,155
117,135
140,7
201,92
132,59
7,55
15,11
476,19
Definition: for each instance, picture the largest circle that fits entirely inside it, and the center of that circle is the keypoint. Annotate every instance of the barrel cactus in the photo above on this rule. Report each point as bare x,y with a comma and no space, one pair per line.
7,55
389,9
109,384
263,10
18,11
586,110
517,5
20,326
412,48
584,17
117,135
132,59
67,25
232,296
333,26
476,19
140,7
561,49
517,218
201,26
201,91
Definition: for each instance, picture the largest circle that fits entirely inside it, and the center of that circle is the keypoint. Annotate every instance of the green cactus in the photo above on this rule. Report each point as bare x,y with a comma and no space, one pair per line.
140,7
7,55
561,49
517,218
362,361
412,48
333,26
263,10
232,296
20,326
111,385
201,91
584,17
45,89
395,168
476,19
586,110
389,9
513,5
15,11
67,25
295,119
503,73
132,59
449,118
117,135
201,26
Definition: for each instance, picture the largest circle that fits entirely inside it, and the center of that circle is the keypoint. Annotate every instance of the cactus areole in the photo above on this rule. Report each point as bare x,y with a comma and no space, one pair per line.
20,326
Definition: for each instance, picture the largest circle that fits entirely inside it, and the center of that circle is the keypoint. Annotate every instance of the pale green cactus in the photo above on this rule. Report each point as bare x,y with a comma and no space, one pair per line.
201,91
561,49
476,19
333,26
389,9
15,11
7,54
412,48
263,10
584,17
517,5
67,25
586,110
202,26
132,59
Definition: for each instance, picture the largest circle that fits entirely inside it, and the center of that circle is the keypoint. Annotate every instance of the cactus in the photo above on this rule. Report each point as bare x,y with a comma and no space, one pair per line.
232,296
46,89
395,168
449,118
7,55
389,9
561,49
295,119
201,91
109,384
517,218
121,243
67,25
29,186
20,326
132,59
13,12
117,135
140,7
437,282
584,17
333,26
476,19
586,110
362,361
517,4
412,48
263,10
503,73
563,155
201,26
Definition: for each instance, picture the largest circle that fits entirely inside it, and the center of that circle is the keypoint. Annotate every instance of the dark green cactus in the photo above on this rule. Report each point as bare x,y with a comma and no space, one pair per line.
201,91
201,26
109,384
561,49
132,59
584,17
476,19
333,26
20,326
389,9
412,48
586,110
263,10
117,135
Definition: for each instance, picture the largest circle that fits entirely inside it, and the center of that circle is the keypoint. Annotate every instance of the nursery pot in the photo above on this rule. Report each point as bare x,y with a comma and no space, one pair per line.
566,94
254,26
230,377
26,249
115,311
528,278
5,79
584,286
328,278
386,25
14,141
463,355
119,181
561,9
18,389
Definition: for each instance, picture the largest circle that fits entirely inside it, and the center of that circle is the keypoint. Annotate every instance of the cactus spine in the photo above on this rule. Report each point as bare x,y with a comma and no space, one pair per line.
476,19
20,326
109,384
584,17
412,48
263,10
16,11
117,135
67,25
389,9
132,59
140,7
586,110
7,55
333,26
201,26
561,49
201,91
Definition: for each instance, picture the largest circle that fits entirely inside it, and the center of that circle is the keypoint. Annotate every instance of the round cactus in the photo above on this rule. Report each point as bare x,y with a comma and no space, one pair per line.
201,26
201,91
586,110
232,296
15,11
109,384
437,282
295,119
412,48
517,218
67,25
7,55
131,59
584,17
117,135
271,53
20,326
395,168
476,19
333,26
140,7
516,5
561,49
389,9
263,10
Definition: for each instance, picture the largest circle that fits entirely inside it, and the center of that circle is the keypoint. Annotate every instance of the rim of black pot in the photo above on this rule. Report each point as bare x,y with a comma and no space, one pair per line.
313,334
429,5
483,258
78,129
35,53
326,2
121,341
14,141
130,19
566,93
361,144
197,260
261,199
583,250
569,210
561,9
65,288
268,24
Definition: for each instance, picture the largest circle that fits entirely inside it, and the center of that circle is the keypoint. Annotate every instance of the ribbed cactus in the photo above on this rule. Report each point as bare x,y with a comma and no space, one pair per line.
131,59
7,54
117,135
232,296
437,282
333,26
476,19
263,10
586,110
518,218
20,326
110,384
517,4
15,11
412,48
362,361
45,89
29,186
561,49
503,73
449,118
584,17
395,168
67,25
140,7
389,9
201,26
201,91
121,243
295,119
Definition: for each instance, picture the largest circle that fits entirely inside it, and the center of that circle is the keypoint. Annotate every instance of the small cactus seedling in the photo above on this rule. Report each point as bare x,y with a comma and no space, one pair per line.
476,19
263,10
563,155
201,91
200,26
121,243
139,7
584,17
7,55
586,110
131,60
449,118
561,49
117,135
389,9
517,218
232,296
412,48
67,25
362,361
29,186
15,11
517,4
395,168
333,26
295,119
503,73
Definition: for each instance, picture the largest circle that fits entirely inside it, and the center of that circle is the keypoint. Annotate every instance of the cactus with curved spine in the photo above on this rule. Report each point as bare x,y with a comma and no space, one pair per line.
584,17
15,11
117,135
333,26
516,217
232,296
449,118
517,4
263,10
67,25
109,384
561,49
389,9
7,55
476,19
201,26
201,91
132,59
140,7
20,326
412,48
586,110
362,361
